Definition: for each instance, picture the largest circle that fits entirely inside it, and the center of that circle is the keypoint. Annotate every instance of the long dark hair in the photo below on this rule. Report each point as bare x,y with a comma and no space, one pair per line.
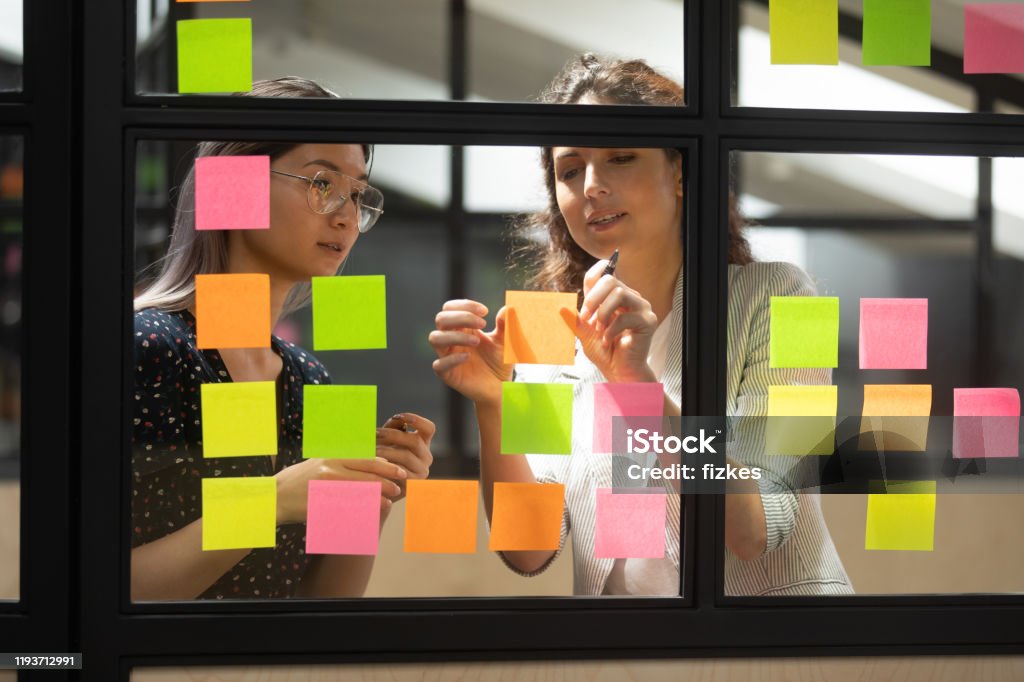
559,262
198,252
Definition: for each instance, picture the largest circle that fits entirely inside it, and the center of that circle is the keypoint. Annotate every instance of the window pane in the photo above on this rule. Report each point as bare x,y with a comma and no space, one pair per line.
11,192
877,233
12,41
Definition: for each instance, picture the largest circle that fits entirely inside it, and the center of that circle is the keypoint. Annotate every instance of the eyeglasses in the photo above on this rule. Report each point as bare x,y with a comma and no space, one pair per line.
329,190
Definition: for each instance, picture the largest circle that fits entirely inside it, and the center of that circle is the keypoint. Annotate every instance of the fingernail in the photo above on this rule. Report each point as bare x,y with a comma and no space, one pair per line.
398,416
402,473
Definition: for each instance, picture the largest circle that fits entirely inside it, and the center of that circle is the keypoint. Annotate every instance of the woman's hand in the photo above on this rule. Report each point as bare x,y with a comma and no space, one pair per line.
408,449
469,359
293,482
615,327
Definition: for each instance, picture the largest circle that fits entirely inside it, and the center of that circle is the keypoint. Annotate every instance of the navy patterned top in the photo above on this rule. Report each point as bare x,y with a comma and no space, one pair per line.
167,454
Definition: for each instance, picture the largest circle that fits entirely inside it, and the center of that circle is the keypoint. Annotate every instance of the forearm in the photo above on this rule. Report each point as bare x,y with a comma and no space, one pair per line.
176,567
496,467
746,534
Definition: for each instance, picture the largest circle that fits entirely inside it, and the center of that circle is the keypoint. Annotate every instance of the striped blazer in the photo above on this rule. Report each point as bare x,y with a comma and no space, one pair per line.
800,558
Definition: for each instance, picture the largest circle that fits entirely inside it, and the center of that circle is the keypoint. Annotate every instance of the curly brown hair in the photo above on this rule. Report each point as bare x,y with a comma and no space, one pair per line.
559,261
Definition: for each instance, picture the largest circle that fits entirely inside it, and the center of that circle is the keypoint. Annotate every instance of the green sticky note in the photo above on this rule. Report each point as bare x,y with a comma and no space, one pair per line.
901,516
804,31
804,331
536,419
349,313
339,422
239,418
239,513
215,55
897,32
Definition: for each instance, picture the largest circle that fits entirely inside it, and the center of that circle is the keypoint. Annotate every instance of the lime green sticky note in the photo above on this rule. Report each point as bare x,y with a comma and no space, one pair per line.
239,418
339,422
215,55
804,31
897,32
804,331
239,513
349,313
536,419
901,516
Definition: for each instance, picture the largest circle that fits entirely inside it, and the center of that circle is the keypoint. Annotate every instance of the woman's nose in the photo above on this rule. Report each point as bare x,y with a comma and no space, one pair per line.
594,183
345,215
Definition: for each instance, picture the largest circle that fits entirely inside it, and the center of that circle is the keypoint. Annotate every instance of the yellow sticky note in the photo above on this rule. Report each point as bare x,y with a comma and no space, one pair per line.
440,516
537,330
801,420
895,417
903,517
804,31
233,311
527,516
239,513
239,418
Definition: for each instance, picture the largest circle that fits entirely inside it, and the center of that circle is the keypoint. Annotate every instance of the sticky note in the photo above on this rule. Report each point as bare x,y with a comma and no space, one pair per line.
349,313
239,513
804,331
894,333
646,399
903,517
536,419
986,422
343,517
215,55
630,525
239,418
339,422
897,33
895,417
232,193
804,31
536,331
440,516
233,311
994,38
801,420
526,516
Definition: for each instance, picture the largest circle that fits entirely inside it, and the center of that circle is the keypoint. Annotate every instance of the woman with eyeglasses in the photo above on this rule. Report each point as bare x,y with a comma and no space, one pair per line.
320,203
630,329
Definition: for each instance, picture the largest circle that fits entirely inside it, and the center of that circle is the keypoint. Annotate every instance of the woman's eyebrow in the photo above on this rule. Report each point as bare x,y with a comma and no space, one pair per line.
566,155
330,166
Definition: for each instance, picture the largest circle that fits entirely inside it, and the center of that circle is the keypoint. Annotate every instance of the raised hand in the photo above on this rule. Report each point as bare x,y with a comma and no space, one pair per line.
469,359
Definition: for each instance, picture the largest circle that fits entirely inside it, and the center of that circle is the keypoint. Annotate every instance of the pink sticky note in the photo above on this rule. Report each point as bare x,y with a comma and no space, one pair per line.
994,38
894,333
343,517
986,422
233,193
644,399
630,525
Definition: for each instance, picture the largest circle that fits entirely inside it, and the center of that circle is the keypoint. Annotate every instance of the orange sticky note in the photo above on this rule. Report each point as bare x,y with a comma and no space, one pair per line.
440,516
895,417
536,329
527,516
233,311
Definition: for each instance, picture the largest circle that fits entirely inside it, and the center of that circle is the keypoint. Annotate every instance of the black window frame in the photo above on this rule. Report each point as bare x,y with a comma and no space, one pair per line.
117,635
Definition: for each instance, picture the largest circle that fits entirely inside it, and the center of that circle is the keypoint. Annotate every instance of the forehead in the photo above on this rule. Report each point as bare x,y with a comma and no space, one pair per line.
347,158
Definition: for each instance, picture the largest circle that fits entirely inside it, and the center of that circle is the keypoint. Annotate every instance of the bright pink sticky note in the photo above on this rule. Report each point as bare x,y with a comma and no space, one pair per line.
645,399
233,193
986,422
343,517
630,525
894,333
994,38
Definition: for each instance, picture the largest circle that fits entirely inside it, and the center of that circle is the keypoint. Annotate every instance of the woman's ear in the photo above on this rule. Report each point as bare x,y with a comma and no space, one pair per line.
678,175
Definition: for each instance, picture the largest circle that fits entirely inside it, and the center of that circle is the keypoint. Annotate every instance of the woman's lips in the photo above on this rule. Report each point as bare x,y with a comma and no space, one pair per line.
332,247
605,222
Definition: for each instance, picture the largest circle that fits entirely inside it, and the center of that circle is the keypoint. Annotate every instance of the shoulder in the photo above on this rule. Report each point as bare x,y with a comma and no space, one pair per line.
307,364
761,280
160,333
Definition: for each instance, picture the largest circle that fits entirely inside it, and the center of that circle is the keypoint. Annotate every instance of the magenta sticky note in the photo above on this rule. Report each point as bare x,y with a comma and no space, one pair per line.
986,422
232,193
994,38
343,517
630,524
645,399
894,333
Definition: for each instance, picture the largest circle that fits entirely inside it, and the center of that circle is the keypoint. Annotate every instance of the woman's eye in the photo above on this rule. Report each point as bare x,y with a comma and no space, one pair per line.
570,174
623,158
323,187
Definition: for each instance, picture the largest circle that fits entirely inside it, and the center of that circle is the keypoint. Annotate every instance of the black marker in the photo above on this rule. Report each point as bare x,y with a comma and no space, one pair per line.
612,262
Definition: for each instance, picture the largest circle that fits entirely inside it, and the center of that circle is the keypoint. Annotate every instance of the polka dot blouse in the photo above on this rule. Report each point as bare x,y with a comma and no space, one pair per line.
167,449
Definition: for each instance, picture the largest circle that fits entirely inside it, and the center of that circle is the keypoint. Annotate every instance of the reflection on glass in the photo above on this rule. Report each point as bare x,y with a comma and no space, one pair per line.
883,227
11,192
12,40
